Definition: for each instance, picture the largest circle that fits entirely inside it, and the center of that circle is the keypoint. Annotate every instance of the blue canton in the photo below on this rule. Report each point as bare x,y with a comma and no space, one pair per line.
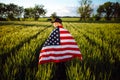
54,38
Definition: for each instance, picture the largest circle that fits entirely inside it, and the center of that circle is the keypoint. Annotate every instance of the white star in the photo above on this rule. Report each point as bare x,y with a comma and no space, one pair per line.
54,33
57,35
52,39
48,43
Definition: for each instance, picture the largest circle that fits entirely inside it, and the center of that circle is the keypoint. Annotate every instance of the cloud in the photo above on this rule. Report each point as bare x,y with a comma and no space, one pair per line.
63,11
95,7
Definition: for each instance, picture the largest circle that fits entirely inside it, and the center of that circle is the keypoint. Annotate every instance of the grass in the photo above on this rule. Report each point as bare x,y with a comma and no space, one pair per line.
20,43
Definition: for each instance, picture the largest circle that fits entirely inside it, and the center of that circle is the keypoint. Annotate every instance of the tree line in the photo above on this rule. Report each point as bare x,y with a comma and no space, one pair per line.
15,12
108,11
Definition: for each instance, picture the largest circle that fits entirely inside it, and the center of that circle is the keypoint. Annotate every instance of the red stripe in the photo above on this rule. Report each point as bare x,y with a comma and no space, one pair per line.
68,43
64,32
67,37
57,61
59,49
60,55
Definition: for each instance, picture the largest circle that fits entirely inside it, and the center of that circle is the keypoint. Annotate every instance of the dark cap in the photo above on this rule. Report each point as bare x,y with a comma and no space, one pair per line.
57,20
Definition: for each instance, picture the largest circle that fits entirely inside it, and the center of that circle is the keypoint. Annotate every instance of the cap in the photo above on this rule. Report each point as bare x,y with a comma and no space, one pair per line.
57,20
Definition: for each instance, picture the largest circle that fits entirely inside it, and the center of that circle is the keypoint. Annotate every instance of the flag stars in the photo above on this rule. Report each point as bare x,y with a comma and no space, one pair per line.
52,35
57,43
50,41
49,37
56,31
54,38
57,35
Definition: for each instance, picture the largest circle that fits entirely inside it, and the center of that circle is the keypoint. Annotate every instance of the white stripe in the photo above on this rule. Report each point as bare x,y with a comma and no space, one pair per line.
65,35
60,52
60,46
67,40
62,29
55,58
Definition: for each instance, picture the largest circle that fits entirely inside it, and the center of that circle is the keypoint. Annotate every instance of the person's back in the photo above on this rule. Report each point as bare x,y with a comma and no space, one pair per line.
59,48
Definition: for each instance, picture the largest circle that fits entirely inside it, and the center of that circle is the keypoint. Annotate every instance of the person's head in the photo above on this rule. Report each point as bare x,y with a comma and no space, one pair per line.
57,22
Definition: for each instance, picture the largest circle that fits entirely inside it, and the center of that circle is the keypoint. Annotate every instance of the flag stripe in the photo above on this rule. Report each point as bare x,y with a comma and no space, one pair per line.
56,61
62,29
67,40
55,58
60,52
68,43
64,32
63,35
60,46
66,37
59,49
58,55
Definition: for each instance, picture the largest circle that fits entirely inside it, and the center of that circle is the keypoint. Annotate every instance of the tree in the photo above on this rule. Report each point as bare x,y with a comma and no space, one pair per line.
109,10
2,11
116,12
53,15
28,13
14,11
35,12
20,10
39,11
10,11
85,9
100,10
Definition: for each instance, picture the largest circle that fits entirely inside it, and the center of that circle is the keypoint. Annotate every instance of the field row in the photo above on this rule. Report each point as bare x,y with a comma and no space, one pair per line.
99,51
20,43
20,57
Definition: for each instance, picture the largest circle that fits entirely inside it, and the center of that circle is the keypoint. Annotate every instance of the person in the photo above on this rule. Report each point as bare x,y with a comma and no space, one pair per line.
59,48
57,23
60,68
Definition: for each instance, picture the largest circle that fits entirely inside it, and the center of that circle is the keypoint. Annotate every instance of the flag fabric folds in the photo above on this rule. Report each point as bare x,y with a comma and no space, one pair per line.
59,47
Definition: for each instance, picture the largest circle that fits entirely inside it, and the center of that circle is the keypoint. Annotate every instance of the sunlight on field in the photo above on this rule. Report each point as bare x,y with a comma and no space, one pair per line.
20,43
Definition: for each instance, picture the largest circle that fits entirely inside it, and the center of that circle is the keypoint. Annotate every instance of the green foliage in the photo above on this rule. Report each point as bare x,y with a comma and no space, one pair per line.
85,9
98,45
35,12
53,15
109,10
14,12
20,43
10,11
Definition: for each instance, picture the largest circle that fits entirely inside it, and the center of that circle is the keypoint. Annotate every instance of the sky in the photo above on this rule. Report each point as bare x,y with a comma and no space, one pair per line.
61,7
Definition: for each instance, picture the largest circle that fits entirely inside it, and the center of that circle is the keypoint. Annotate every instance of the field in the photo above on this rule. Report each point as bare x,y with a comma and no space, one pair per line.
20,43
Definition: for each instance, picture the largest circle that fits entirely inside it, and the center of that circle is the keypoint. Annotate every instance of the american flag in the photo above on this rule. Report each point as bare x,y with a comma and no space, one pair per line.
59,47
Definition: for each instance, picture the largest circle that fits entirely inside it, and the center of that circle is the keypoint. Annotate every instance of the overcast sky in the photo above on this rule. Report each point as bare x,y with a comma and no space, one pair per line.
61,7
